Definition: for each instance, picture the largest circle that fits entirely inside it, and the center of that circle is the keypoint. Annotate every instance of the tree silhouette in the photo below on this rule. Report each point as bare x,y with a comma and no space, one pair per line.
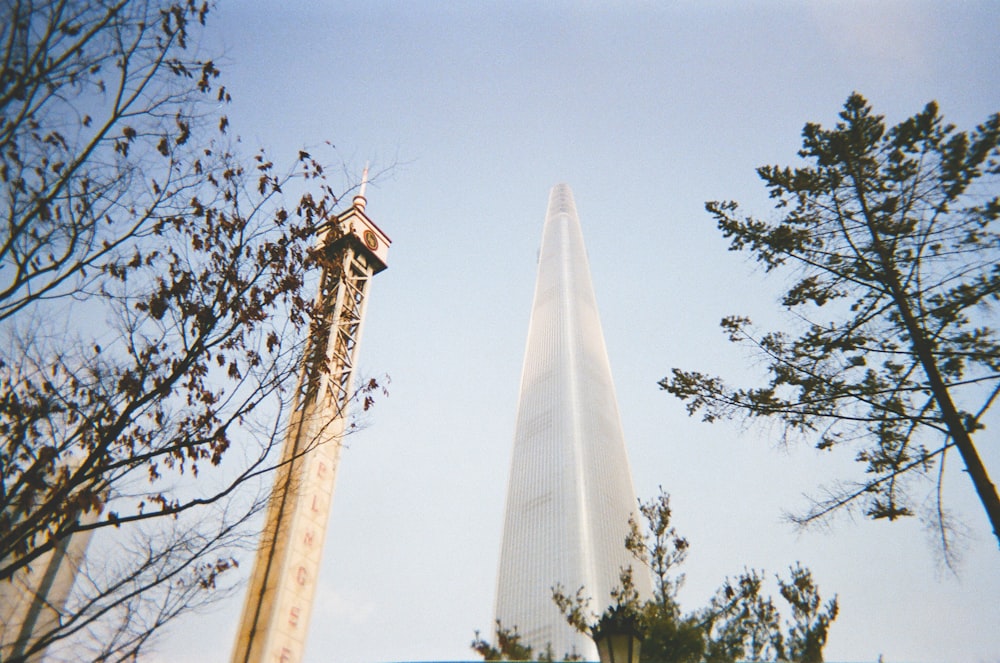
890,233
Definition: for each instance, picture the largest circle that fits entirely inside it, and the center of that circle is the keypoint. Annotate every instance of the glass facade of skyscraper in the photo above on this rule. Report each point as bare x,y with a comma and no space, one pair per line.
570,490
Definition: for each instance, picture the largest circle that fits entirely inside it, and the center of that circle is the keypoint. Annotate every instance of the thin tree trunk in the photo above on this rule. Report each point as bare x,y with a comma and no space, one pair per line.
985,488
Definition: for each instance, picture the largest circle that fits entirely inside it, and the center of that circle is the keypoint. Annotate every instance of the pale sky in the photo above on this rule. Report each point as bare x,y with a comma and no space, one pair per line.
647,110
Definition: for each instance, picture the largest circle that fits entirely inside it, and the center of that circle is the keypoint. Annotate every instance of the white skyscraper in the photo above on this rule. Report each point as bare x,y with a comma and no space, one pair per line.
570,490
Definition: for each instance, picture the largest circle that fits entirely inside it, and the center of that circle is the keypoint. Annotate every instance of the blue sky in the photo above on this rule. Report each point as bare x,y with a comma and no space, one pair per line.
647,110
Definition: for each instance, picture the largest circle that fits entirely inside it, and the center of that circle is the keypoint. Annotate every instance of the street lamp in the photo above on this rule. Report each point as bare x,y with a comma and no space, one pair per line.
618,636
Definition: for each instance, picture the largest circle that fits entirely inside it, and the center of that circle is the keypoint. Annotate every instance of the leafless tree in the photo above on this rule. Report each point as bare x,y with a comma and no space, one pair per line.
153,309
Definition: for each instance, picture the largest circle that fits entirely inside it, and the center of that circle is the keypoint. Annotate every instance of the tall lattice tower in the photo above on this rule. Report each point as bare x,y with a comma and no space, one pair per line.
570,490
279,600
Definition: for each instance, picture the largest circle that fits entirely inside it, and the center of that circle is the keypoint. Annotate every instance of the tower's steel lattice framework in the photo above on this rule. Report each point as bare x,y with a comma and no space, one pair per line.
570,490
279,599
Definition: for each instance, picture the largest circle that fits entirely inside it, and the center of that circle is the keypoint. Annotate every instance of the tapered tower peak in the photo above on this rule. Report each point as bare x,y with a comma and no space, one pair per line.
561,200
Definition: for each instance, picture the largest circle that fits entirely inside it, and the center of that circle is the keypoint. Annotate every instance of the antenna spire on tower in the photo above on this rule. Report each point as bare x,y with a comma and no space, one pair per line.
359,200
